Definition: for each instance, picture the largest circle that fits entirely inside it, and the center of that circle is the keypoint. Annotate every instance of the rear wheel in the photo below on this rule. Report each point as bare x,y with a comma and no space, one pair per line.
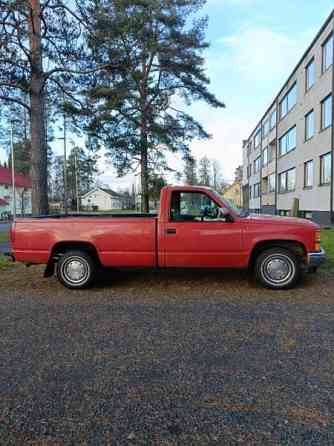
76,269
278,268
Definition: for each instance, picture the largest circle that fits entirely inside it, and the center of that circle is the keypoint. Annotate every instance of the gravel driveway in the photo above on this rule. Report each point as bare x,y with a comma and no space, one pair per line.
165,358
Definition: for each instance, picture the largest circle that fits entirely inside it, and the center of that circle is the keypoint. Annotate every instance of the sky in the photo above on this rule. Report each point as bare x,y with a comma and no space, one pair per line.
254,46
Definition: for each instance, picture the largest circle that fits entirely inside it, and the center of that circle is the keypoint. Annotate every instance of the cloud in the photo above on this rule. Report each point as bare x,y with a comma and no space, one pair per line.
260,54
227,132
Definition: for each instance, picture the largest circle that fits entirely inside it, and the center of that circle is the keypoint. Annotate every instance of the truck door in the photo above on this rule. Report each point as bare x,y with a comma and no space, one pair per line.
196,235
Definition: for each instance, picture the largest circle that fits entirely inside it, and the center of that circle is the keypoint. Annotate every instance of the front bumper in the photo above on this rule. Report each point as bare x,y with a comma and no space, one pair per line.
315,259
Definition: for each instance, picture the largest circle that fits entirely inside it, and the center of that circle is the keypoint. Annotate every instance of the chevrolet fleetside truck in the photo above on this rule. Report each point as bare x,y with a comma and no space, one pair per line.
195,228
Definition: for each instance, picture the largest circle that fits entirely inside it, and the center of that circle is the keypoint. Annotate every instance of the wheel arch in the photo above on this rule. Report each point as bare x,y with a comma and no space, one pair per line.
61,247
298,248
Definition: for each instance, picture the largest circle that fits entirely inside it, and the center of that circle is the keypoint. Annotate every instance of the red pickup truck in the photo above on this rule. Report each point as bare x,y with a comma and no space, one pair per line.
195,228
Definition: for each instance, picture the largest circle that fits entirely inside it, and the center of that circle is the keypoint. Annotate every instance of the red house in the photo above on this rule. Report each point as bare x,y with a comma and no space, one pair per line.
23,188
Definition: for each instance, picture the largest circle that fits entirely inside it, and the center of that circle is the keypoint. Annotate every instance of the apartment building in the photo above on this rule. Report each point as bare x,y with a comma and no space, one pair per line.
289,154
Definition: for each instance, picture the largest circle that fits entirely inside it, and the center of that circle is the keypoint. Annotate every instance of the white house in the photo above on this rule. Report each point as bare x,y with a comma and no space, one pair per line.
101,199
22,193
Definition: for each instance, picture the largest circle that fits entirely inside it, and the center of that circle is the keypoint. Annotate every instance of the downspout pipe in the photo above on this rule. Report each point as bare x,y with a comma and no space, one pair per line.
332,139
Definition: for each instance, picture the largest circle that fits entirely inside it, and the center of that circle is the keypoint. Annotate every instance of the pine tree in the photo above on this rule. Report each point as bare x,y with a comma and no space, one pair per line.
35,35
81,173
190,174
157,47
205,171
156,183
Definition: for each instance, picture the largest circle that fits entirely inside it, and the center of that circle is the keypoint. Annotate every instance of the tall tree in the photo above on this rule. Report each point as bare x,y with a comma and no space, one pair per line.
205,171
81,173
238,174
41,49
216,174
156,183
190,173
158,47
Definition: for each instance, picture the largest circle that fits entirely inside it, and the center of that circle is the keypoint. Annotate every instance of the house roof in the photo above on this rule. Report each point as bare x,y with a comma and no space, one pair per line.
107,191
110,192
20,180
3,202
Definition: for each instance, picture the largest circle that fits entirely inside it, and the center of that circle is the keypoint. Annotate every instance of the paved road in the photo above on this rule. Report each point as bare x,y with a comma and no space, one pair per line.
4,247
4,227
157,358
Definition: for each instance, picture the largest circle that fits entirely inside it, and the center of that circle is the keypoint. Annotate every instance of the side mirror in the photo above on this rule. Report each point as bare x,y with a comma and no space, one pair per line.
225,214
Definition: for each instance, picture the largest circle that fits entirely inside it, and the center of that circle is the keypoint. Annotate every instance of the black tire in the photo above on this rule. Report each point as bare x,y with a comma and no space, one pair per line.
278,269
83,269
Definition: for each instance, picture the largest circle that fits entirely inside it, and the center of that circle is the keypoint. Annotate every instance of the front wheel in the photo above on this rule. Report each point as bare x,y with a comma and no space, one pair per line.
76,269
278,269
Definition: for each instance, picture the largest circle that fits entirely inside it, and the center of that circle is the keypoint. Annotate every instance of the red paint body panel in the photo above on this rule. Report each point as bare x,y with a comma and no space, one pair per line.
144,241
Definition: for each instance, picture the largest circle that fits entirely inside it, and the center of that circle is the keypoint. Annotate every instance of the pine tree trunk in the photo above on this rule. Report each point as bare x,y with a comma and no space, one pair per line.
38,135
145,205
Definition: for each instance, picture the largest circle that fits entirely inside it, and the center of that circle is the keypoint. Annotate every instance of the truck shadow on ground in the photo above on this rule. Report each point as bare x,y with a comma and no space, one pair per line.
201,278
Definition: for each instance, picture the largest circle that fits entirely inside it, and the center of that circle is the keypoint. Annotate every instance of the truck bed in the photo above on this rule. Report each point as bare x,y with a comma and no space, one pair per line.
95,215
120,240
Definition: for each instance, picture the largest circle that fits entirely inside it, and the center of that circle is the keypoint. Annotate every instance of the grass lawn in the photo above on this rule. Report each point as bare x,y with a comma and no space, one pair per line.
327,242
4,261
4,237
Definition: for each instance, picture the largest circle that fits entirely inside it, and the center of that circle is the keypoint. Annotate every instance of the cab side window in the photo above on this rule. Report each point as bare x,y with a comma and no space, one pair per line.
193,206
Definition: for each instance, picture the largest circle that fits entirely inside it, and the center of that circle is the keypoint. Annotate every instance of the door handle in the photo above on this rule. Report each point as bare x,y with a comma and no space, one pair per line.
170,231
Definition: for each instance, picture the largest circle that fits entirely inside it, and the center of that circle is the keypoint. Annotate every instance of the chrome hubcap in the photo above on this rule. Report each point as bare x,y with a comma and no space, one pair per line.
75,270
278,269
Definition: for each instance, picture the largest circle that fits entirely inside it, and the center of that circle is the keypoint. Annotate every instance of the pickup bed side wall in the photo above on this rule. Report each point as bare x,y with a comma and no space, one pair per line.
119,242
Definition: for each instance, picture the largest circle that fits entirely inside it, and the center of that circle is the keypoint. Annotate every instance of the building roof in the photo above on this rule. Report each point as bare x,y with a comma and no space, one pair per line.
111,192
107,191
3,202
20,180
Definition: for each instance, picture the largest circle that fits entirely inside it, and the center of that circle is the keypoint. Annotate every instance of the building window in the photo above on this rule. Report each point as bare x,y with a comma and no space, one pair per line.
257,164
325,168
310,75
271,183
289,101
287,142
250,192
327,53
273,120
308,173
309,125
306,214
326,112
266,127
265,157
257,138
287,181
257,190
284,213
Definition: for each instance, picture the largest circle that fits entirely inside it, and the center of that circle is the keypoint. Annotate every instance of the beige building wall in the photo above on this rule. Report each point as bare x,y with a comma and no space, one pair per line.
317,198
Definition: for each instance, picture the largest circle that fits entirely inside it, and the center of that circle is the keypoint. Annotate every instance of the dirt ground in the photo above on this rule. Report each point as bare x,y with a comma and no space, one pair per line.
165,358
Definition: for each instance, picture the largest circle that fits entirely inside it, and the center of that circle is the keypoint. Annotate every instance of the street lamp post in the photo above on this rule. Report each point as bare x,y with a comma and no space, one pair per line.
76,180
65,164
13,170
